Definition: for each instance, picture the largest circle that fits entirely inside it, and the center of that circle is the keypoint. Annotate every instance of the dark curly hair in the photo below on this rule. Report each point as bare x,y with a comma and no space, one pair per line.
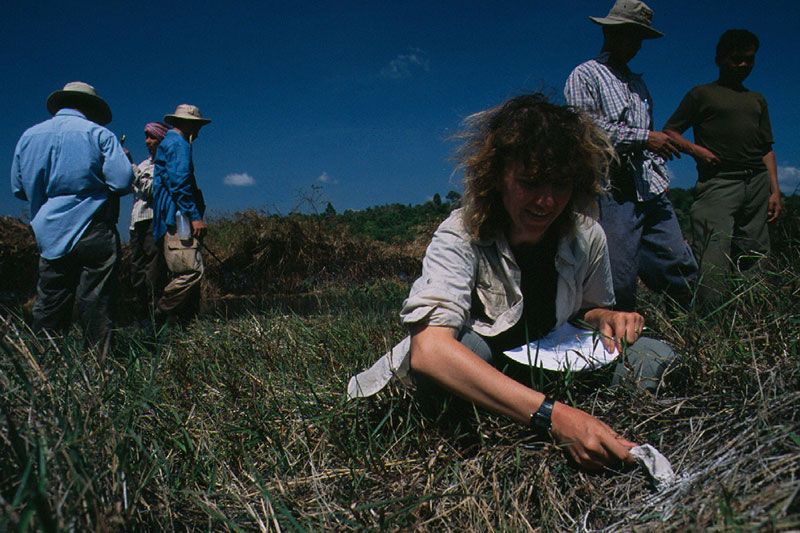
552,143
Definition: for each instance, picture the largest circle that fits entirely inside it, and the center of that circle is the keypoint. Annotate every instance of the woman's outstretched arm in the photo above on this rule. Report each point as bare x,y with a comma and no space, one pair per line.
437,354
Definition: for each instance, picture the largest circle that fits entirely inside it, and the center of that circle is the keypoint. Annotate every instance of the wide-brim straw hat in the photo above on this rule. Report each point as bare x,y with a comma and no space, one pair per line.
81,96
631,13
186,112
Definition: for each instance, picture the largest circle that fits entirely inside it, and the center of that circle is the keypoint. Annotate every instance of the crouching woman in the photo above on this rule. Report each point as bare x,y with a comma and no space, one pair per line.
518,260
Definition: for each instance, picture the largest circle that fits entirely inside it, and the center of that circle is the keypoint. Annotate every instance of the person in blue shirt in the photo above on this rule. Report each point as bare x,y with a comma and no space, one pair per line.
177,198
72,171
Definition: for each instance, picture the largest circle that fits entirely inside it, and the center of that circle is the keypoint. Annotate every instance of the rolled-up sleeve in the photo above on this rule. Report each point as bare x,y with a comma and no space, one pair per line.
17,188
442,296
683,117
581,92
598,288
117,168
179,173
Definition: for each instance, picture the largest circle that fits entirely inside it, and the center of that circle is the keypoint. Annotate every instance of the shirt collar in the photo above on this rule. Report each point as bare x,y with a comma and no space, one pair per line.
564,251
174,133
602,58
67,111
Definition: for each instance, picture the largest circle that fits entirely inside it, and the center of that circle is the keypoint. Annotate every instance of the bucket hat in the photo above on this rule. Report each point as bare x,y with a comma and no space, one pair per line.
632,13
82,96
186,112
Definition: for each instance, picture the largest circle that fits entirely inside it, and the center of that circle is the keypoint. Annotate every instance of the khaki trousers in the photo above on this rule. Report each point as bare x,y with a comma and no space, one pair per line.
729,230
181,296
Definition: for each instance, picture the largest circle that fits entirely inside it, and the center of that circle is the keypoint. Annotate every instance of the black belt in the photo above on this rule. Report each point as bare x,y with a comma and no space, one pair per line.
745,174
736,174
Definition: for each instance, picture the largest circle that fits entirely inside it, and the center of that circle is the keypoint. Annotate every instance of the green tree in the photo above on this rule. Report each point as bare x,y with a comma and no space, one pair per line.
453,197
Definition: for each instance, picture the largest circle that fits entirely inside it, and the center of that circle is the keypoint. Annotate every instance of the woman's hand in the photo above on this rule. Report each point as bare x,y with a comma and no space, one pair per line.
590,442
615,326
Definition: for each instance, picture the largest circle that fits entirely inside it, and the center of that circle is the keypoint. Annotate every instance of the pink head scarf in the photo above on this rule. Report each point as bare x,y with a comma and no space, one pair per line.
156,129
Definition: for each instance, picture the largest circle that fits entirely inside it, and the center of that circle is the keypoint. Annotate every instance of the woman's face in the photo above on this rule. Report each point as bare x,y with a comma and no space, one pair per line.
531,205
151,142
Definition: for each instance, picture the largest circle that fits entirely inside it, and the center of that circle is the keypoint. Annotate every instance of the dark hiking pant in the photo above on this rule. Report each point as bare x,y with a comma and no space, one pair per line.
87,275
643,364
147,268
645,241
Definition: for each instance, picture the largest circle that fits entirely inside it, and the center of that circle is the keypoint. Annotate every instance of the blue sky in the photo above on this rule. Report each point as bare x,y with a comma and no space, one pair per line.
354,98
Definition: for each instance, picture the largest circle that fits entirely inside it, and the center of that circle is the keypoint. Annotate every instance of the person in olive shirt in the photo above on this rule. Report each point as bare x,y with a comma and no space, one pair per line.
737,188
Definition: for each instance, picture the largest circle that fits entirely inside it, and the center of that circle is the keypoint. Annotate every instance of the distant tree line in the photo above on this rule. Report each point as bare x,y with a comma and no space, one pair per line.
397,223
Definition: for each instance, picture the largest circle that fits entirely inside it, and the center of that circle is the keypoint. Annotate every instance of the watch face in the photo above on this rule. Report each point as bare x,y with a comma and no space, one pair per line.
542,420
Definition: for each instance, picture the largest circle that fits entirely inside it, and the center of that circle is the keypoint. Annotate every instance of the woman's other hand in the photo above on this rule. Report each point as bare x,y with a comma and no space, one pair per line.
615,326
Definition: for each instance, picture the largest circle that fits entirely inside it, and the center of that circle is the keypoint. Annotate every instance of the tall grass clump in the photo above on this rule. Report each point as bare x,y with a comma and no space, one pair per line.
210,426
19,259
264,254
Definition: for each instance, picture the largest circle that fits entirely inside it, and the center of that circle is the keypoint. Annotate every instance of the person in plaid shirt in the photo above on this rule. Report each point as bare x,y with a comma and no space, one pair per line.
644,238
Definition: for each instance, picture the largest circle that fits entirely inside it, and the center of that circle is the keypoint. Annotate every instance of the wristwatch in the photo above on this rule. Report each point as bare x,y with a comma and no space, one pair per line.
540,420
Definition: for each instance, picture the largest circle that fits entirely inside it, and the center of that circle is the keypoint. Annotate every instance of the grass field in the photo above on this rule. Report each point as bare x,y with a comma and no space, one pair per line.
240,422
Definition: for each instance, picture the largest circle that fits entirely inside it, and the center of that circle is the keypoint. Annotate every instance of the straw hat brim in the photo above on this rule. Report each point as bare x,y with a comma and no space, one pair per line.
95,108
648,31
170,119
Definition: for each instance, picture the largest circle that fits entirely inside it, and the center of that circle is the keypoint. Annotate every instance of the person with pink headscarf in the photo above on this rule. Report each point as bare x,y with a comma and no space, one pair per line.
147,262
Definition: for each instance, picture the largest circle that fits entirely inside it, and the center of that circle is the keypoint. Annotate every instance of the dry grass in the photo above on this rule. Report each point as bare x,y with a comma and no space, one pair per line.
284,255
241,423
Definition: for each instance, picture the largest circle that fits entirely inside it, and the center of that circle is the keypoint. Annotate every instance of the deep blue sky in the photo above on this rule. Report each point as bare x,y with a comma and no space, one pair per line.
357,98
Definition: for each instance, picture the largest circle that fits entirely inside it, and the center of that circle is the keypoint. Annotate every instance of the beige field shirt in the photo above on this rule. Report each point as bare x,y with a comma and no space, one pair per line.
458,272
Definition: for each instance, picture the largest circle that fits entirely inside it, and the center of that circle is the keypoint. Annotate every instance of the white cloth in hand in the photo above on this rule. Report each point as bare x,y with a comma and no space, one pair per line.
656,464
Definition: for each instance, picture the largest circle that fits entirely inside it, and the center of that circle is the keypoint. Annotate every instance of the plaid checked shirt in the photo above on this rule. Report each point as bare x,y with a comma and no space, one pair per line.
620,103
142,192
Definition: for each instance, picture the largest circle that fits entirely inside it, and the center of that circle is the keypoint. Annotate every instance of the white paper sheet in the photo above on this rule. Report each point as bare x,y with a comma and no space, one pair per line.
565,348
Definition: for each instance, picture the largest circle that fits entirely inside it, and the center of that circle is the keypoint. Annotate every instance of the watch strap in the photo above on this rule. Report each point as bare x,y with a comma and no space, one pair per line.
541,420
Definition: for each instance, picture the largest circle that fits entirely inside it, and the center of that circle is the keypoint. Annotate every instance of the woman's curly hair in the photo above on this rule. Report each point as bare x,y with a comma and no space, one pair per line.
552,143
